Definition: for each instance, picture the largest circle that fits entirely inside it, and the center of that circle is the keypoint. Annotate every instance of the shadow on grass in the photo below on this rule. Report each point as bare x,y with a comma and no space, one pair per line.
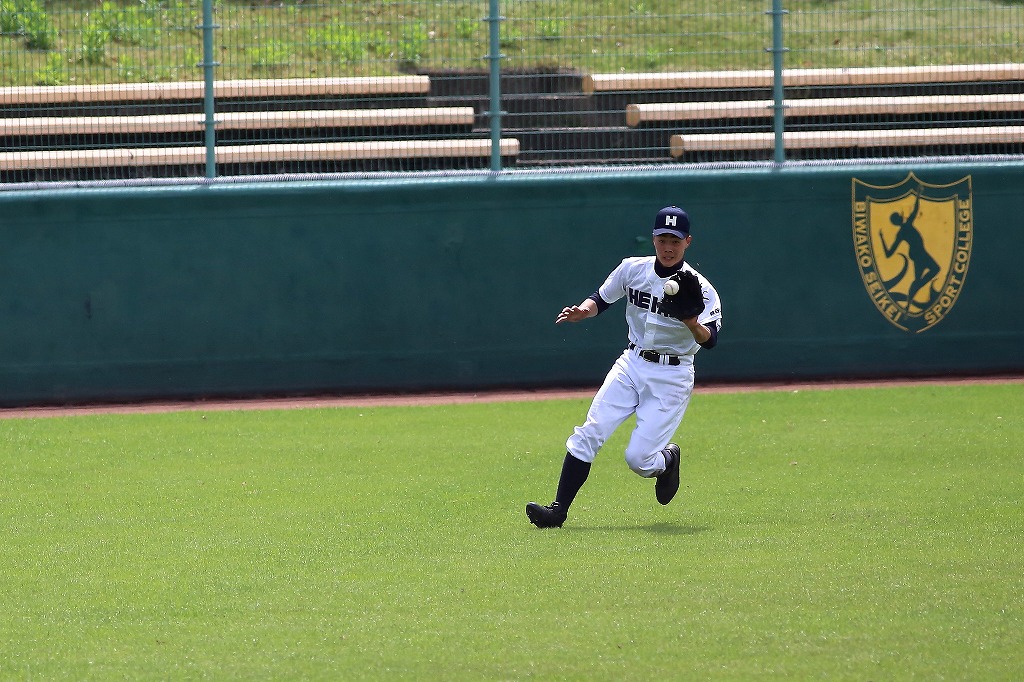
656,528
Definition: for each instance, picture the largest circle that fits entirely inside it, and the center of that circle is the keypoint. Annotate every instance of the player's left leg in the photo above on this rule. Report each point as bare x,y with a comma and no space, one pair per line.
664,397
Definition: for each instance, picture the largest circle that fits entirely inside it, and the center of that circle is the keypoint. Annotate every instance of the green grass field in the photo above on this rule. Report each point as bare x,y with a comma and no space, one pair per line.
857,534
94,41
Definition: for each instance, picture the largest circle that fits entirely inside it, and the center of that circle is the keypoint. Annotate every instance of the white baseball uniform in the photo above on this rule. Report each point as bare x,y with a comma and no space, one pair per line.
658,391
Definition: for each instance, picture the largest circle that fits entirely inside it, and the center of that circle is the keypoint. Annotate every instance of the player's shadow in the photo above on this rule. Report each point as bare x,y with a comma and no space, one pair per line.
661,528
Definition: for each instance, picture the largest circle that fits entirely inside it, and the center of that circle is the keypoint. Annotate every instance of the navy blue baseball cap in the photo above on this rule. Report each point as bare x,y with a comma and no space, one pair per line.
672,220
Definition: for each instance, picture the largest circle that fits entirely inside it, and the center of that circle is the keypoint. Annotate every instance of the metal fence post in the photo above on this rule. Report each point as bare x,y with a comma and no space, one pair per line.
778,91
494,24
208,96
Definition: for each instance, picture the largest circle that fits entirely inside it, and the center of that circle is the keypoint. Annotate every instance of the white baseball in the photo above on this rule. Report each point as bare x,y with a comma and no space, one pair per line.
671,287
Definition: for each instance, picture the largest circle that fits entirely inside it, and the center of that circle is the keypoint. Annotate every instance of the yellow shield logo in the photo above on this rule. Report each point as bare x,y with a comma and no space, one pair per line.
913,245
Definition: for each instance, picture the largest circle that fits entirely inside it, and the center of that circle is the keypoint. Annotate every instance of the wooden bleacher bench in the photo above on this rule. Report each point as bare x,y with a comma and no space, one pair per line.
254,153
259,88
244,120
637,114
764,78
839,139
122,157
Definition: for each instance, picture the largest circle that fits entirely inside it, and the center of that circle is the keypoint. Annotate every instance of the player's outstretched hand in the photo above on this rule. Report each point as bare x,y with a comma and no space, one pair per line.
572,313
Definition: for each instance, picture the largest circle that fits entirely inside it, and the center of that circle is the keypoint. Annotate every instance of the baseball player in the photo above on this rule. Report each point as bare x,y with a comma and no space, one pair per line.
653,378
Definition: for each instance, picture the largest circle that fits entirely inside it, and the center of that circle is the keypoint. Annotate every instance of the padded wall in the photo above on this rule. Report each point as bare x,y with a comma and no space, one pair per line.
454,282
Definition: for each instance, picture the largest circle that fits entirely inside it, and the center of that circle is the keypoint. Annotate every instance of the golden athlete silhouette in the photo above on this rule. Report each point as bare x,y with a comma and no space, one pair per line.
917,257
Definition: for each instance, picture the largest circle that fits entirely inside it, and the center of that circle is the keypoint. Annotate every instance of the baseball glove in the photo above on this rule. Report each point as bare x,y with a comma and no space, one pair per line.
688,301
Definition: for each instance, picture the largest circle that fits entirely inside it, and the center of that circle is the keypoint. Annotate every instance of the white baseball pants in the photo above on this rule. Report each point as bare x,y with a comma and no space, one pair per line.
657,393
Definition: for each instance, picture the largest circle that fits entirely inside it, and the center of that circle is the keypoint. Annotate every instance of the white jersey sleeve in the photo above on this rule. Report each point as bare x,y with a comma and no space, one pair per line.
614,286
712,305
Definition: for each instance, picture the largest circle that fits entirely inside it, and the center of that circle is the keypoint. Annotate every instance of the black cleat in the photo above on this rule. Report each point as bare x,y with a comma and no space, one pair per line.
545,517
668,481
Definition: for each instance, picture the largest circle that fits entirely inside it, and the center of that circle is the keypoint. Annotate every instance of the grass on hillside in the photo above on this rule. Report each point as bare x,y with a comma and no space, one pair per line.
56,43
842,534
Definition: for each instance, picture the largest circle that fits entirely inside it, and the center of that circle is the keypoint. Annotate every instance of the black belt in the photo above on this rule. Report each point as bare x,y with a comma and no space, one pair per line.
654,356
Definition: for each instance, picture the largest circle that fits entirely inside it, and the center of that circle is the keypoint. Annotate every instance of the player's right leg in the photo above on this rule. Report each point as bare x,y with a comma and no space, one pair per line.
614,402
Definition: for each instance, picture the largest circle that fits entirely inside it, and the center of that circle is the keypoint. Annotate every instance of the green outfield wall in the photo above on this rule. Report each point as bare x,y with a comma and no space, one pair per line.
454,282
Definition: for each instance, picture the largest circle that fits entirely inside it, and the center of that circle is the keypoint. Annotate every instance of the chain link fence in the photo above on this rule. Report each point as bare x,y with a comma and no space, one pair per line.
178,89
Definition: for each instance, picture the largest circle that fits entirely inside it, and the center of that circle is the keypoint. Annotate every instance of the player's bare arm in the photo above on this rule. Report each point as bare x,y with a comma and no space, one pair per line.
700,333
575,313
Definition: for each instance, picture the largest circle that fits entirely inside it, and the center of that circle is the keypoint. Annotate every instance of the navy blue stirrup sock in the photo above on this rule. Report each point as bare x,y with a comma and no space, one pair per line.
574,475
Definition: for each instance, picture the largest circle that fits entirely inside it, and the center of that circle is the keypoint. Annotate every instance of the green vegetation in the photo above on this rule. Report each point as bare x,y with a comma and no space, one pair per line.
159,38
861,534
28,19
